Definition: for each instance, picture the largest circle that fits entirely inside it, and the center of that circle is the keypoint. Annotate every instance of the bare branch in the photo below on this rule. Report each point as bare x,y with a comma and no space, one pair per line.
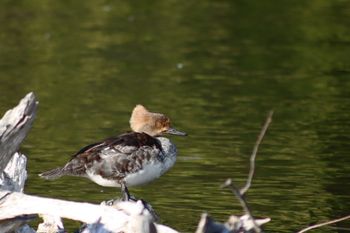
255,150
229,184
240,193
324,224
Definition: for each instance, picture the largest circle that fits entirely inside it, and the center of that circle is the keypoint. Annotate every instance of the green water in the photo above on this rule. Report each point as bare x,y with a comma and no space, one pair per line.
216,68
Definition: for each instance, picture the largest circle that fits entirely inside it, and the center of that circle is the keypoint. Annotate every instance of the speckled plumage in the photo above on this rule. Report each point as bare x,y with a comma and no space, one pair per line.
130,159
109,162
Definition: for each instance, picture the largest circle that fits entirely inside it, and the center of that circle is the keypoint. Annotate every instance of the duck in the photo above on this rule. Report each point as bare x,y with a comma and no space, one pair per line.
131,159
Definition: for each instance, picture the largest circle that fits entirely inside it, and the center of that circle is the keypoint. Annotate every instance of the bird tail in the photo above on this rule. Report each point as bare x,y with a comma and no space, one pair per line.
53,174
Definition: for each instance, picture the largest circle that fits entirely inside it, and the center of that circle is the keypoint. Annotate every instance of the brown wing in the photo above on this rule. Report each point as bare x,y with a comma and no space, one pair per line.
116,156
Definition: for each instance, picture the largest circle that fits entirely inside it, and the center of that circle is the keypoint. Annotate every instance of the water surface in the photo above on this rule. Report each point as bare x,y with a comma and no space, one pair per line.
216,68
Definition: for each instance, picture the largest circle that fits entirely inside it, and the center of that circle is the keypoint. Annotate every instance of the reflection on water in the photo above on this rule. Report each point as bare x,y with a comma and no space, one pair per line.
215,68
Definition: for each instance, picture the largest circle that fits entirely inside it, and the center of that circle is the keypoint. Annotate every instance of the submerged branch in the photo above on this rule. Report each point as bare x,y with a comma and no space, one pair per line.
323,224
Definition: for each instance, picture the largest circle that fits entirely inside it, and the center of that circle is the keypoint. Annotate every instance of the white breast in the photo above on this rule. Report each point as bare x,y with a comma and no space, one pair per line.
150,171
154,169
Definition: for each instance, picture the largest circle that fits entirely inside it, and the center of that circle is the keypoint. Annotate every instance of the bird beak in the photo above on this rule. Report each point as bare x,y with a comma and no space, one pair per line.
175,132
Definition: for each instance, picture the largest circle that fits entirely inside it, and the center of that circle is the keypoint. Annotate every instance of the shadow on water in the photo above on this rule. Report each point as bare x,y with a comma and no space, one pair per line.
215,68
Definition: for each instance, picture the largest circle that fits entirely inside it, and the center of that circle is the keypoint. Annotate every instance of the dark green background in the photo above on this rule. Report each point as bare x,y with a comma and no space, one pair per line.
214,67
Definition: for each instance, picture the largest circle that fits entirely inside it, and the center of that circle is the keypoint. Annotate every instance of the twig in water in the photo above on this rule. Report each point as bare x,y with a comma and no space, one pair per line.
255,150
324,224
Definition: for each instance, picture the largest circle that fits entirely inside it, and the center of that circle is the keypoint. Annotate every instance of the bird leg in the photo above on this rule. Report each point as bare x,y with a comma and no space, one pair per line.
125,192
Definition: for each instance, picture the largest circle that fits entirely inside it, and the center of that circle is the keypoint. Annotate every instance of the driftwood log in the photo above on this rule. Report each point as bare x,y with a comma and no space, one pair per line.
124,217
14,127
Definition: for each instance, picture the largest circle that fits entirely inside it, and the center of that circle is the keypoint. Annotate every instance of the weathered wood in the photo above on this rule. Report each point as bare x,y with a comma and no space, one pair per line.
15,174
14,127
17,225
208,225
128,217
95,228
25,229
234,224
51,224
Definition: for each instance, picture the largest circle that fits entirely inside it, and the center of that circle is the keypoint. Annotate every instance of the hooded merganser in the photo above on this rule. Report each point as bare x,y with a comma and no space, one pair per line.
130,159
